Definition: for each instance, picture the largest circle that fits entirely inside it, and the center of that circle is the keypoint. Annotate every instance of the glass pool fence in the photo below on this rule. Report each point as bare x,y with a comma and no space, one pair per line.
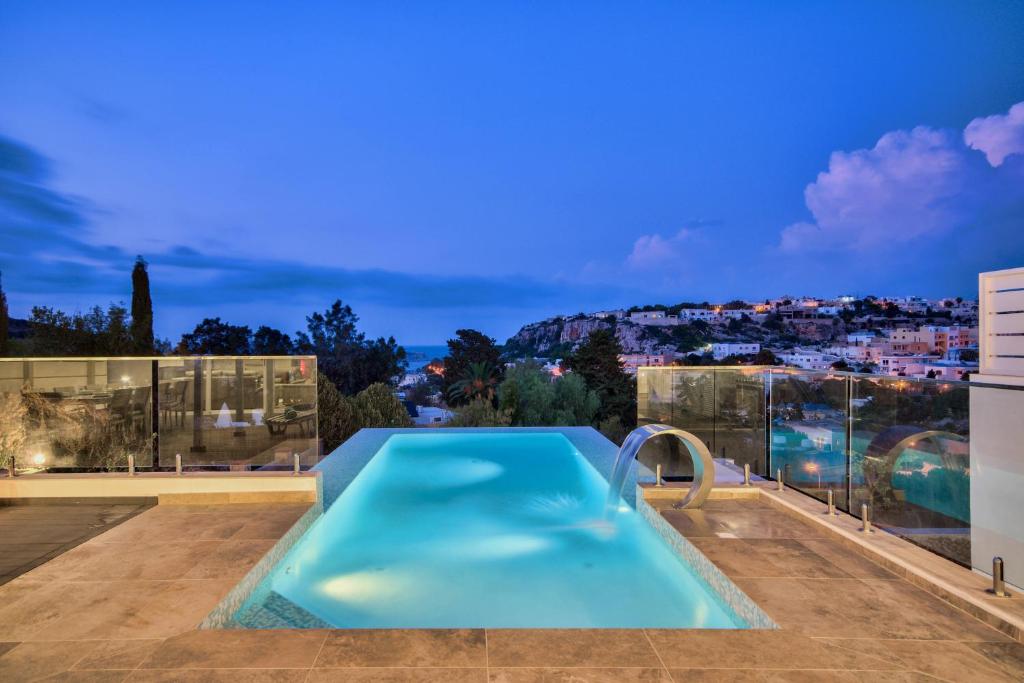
215,412
940,463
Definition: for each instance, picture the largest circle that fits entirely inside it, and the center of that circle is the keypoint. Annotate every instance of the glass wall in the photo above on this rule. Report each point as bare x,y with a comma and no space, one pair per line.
724,407
739,418
809,420
674,398
939,463
237,413
76,413
91,413
910,460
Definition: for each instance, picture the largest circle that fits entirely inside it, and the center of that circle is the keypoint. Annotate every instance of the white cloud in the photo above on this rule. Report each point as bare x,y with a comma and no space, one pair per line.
656,251
998,136
911,186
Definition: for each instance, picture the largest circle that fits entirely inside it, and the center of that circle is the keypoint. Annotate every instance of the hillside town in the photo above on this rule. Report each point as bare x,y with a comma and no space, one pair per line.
902,336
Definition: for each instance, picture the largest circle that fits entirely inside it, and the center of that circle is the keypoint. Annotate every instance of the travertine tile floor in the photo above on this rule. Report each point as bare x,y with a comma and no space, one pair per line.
33,534
124,606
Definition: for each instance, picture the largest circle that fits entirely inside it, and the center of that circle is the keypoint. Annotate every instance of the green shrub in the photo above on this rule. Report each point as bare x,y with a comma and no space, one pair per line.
613,429
379,407
339,416
481,413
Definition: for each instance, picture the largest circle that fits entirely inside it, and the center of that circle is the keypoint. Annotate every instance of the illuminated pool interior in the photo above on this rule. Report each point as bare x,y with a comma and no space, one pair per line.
481,530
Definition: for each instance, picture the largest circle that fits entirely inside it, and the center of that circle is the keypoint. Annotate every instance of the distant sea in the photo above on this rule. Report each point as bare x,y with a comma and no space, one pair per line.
418,356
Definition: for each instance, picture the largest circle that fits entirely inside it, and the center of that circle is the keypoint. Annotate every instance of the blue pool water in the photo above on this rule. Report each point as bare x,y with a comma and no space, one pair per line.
488,530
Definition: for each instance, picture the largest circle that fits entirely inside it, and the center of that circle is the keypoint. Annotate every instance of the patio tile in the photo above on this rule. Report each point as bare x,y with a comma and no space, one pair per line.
143,561
750,649
1010,656
947,660
229,559
33,534
270,527
175,607
32,661
155,527
111,610
797,676
169,523
860,608
580,675
19,533
735,504
88,677
94,610
19,589
24,550
118,654
740,557
742,523
413,648
219,676
848,560
64,565
398,675
237,649
27,606
570,648
215,527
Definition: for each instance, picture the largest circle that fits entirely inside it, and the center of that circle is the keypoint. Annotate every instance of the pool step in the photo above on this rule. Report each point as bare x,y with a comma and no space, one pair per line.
277,611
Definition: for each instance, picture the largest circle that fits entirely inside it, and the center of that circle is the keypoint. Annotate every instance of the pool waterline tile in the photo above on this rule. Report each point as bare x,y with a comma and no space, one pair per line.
738,601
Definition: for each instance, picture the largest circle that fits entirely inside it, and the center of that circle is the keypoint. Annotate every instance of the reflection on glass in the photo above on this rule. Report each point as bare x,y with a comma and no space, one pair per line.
723,407
82,414
674,396
910,460
808,425
936,462
739,422
91,413
238,413
693,409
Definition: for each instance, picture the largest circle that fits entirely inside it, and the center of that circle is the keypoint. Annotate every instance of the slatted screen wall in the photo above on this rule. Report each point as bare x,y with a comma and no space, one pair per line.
1001,333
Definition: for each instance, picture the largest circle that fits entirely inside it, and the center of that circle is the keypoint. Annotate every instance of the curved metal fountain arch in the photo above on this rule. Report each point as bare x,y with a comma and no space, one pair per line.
885,449
703,464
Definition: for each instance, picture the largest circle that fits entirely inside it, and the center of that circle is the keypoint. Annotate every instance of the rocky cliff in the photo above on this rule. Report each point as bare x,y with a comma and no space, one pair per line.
556,337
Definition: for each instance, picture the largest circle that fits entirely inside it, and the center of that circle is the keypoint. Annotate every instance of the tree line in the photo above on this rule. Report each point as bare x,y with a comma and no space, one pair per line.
110,331
357,374
590,388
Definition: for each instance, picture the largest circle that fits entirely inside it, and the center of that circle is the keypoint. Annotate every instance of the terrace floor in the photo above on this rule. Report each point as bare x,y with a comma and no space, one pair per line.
33,534
124,607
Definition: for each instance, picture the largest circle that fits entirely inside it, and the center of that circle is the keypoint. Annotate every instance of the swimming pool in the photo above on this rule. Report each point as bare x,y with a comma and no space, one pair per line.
485,530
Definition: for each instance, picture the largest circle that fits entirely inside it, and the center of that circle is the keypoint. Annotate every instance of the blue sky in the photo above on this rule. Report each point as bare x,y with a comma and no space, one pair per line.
441,165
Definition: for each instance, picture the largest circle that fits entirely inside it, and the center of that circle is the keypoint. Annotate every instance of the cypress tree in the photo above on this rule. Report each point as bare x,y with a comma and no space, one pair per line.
142,310
597,362
4,321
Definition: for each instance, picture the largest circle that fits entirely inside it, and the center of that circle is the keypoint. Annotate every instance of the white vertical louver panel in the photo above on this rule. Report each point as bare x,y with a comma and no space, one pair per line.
1001,333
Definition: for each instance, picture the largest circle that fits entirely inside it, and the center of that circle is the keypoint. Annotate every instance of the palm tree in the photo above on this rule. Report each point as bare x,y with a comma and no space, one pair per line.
480,380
